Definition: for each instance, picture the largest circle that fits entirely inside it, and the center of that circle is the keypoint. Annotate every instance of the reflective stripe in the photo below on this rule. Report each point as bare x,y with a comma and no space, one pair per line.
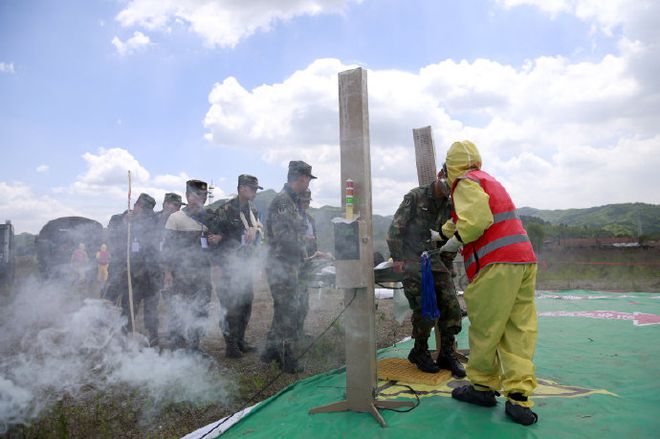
503,216
497,244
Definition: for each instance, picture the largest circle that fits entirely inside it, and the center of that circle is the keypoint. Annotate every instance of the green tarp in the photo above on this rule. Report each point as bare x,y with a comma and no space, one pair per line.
598,364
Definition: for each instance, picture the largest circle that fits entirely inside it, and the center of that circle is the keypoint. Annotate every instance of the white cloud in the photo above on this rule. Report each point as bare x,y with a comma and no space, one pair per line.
27,210
138,41
7,68
42,168
560,133
97,193
222,23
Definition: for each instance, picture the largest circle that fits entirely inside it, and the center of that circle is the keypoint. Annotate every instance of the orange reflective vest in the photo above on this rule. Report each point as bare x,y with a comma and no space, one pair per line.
505,241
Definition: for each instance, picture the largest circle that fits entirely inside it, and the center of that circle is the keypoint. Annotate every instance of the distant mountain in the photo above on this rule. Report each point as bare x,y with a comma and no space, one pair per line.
625,219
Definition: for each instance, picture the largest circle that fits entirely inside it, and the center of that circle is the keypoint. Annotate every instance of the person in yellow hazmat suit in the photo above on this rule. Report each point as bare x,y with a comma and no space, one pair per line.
501,267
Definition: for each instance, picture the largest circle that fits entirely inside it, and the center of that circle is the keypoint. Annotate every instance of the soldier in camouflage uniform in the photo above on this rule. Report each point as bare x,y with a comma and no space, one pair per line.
187,268
235,256
144,263
423,209
285,232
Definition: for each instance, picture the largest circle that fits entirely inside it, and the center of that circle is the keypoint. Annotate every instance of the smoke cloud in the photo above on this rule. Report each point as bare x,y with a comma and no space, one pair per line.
54,343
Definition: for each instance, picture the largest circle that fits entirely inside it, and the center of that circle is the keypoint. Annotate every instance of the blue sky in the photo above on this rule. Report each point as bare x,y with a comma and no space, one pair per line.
561,97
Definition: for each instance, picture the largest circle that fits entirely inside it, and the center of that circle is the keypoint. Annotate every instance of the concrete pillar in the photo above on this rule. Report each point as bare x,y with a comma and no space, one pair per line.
425,155
356,276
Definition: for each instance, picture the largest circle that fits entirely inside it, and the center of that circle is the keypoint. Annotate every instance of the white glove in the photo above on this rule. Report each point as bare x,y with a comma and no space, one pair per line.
451,246
435,236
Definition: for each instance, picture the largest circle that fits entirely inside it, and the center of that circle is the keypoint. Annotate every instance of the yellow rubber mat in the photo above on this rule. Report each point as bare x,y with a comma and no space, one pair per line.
402,370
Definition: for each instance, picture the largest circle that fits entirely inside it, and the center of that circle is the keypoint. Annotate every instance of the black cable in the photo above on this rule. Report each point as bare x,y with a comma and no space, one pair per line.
271,382
408,409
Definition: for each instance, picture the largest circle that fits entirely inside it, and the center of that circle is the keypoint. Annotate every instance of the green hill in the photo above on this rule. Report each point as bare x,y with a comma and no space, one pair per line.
625,219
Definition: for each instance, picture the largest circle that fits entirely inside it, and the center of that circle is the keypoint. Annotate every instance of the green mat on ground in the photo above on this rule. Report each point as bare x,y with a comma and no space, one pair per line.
598,364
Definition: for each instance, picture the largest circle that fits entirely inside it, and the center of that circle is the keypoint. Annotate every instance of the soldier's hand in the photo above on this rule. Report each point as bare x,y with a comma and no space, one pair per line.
250,235
435,235
398,266
214,239
167,279
452,246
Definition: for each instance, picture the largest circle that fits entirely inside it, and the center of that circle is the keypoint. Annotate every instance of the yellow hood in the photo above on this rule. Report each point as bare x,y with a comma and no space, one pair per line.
461,157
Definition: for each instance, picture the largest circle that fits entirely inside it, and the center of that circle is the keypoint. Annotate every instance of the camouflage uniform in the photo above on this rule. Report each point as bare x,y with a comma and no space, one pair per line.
144,267
189,261
236,263
285,232
408,237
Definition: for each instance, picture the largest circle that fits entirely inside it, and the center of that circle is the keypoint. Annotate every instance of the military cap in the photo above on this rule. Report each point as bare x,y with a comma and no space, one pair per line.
306,196
197,186
171,197
146,200
248,180
298,167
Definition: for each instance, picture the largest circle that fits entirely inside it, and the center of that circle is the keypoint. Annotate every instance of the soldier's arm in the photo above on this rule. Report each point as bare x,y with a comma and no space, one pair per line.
472,210
402,217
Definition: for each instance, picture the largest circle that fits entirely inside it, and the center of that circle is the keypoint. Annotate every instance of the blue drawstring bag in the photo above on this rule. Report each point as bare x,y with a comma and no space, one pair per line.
430,309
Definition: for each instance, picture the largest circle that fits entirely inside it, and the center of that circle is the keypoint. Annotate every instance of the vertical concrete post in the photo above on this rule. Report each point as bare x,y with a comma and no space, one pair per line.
356,165
425,155
357,276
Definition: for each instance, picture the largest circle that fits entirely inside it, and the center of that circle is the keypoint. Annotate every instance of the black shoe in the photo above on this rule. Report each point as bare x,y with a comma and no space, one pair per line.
245,347
232,350
423,360
290,365
468,393
521,415
449,362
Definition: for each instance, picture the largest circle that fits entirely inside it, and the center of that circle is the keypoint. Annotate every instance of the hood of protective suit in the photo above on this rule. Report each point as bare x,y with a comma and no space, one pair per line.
461,157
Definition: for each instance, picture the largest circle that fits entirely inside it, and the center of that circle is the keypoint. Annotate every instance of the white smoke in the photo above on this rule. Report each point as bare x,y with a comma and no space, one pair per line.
53,343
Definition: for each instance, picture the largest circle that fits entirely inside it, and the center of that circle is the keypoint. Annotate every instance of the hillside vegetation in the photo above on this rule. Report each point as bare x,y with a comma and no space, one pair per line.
625,219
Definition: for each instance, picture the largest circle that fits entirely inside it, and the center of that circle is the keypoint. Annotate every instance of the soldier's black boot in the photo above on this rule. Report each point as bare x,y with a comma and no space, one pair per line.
232,350
447,360
468,393
421,357
245,347
240,335
521,415
288,362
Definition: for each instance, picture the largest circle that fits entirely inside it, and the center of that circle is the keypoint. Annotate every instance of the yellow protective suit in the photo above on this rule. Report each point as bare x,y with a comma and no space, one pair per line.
500,298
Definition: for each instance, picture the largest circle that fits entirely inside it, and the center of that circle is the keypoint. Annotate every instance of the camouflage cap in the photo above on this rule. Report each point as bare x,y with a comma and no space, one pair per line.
171,197
248,180
197,186
298,167
146,200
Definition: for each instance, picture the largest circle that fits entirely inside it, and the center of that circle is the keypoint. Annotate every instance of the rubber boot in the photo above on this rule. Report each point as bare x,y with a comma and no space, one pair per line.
232,349
421,357
518,413
447,360
468,393
245,347
288,362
